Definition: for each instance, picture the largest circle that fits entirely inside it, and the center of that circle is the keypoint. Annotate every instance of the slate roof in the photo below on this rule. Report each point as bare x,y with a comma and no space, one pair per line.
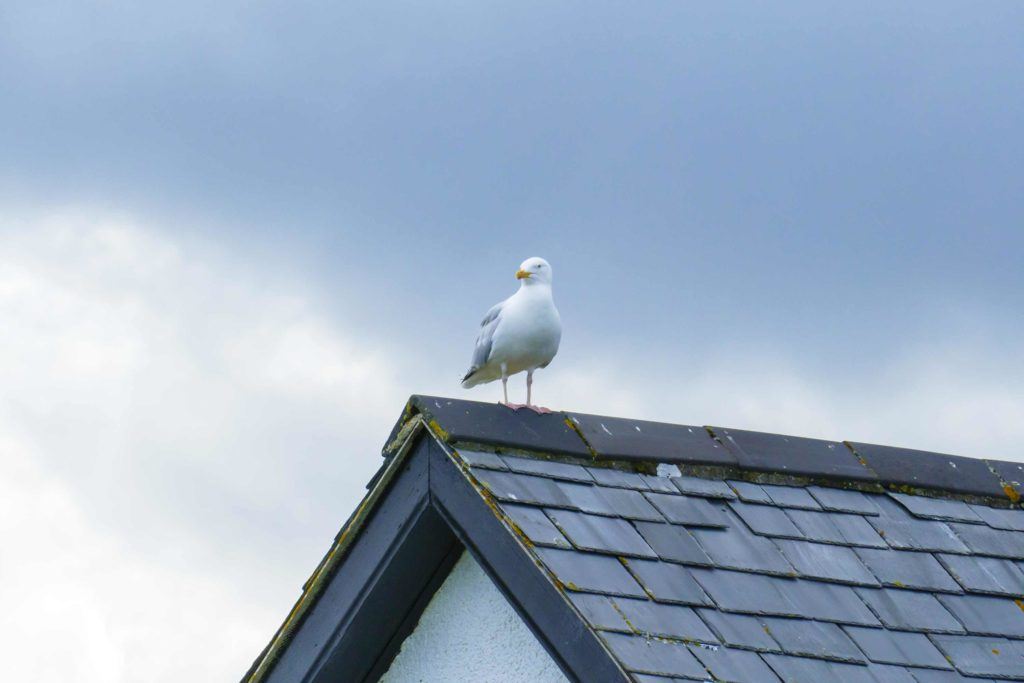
759,558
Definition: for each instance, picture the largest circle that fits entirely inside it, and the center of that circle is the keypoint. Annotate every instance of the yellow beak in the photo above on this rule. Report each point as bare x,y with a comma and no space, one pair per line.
522,275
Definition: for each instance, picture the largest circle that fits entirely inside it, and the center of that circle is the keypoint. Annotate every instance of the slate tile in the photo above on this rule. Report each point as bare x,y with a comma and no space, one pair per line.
747,593
908,570
918,535
687,510
623,439
791,497
673,543
803,670
826,562
795,455
909,467
600,611
617,478
481,459
668,582
629,504
938,676
535,524
766,520
671,621
704,488
985,574
474,422
937,508
547,468
734,666
739,630
600,534
829,602
738,548
644,655
983,615
985,540
520,488
897,647
600,500
983,655
813,639
843,500
906,610
999,518
836,528
750,492
659,483
589,572
651,678
889,673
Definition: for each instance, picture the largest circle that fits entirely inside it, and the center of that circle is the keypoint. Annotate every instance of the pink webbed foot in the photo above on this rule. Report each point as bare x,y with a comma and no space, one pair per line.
540,410
515,406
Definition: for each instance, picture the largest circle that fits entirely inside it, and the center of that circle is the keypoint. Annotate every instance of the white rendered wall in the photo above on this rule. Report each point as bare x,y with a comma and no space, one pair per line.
470,633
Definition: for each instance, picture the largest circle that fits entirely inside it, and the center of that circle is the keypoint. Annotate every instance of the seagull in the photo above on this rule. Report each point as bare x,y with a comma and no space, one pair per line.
519,334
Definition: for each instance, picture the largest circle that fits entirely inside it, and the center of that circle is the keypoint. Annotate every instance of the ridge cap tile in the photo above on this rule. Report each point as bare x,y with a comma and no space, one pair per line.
930,470
617,438
798,455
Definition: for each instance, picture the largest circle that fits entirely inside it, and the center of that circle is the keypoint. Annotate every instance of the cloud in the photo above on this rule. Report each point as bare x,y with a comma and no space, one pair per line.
181,436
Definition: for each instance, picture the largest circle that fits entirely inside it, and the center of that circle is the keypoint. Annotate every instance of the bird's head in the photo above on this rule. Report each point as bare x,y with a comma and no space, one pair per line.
534,270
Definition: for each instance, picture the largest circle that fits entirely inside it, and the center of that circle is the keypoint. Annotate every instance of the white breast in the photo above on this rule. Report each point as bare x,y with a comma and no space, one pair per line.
529,332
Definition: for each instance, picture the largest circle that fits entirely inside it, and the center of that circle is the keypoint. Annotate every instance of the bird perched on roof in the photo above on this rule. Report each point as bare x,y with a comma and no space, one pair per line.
521,334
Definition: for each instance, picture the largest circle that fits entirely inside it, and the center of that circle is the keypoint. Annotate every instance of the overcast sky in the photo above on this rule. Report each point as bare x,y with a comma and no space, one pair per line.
234,237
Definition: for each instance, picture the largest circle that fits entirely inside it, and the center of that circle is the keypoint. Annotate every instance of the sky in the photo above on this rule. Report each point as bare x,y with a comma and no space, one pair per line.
235,237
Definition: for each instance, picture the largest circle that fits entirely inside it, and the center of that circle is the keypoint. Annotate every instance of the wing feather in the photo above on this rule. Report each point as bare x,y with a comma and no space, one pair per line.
484,340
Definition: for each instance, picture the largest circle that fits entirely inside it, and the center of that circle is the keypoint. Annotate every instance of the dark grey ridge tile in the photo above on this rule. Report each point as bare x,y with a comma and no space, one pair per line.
615,438
988,541
984,655
930,470
985,574
1000,518
908,570
521,488
804,670
843,500
793,454
898,647
791,497
671,621
707,488
813,639
668,582
937,508
750,492
826,562
618,478
600,500
601,534
734,666
473,422
889,673
830,602
600,612
647,655
547,468
482,459
739,630
659,484
906,610
983,615
748,593
738,548
688,510
535,524
1010,472
836,527
673,543
590,573
766,520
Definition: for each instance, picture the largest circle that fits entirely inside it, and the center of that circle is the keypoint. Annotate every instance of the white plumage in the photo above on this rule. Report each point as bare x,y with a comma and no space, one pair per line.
521,334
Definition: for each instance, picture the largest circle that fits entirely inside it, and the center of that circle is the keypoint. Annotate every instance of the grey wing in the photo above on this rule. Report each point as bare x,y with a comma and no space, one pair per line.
484,339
